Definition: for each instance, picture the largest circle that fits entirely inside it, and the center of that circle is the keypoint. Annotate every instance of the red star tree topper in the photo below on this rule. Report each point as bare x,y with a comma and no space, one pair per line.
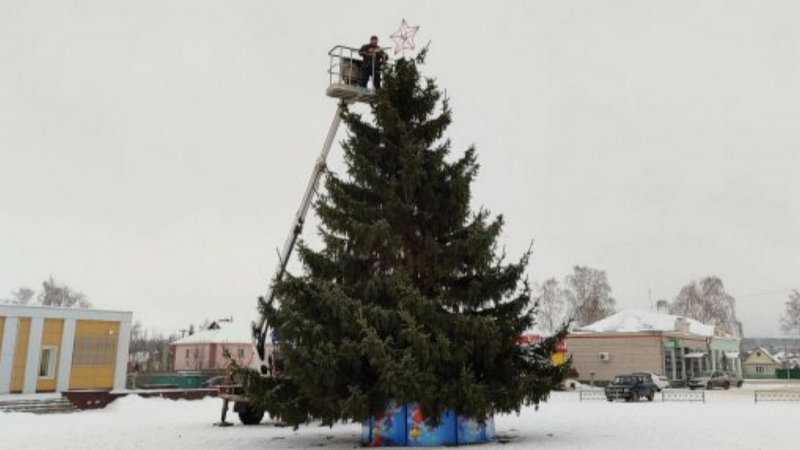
404,37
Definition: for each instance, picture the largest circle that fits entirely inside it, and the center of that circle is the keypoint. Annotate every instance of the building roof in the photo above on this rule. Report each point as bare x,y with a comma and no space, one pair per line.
60,312
642,321
222,332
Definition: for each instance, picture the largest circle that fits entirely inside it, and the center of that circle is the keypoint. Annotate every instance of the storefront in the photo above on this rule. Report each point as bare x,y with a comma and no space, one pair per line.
49,349
636,341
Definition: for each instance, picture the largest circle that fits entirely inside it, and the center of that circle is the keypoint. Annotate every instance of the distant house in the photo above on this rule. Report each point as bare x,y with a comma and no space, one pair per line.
759,363
630,341
208,349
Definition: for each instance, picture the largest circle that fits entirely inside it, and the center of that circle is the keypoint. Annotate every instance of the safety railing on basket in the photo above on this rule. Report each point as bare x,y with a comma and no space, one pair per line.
344,65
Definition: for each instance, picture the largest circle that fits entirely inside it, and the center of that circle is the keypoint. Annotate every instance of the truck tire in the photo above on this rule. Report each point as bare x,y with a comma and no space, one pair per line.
651,396
610,399
635,397
709,386
250,415
727,385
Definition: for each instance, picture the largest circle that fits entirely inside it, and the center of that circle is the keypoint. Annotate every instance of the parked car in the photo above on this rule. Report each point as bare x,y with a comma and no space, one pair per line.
735,379
568,384
631,387
710,380
213,381
660,381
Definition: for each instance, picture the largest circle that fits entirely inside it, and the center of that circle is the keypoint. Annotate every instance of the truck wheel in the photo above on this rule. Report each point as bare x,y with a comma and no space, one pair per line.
251,415
635,397
710,386
610,399
651,397
727,385
739,384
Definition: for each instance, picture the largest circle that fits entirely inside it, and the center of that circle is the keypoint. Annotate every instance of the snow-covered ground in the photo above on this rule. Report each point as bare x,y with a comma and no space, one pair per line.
728,420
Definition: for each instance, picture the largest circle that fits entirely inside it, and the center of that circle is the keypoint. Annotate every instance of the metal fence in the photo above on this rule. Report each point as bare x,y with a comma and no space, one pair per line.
592,394
687,395
683,395
776,396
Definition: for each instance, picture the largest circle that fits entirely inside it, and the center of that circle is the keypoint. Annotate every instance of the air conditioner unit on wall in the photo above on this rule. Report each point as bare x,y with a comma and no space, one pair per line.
605,356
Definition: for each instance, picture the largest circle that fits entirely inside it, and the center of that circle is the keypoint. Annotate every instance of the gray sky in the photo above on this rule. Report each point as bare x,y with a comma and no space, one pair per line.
152,154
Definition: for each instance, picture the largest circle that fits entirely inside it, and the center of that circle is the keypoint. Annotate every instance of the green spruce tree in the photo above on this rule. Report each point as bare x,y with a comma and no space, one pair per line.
409,298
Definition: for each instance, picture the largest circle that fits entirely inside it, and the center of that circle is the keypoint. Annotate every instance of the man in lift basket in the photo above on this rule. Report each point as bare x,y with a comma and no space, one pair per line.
373,57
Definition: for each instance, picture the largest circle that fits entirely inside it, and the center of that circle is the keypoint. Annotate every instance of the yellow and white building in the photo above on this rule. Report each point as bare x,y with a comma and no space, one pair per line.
50,349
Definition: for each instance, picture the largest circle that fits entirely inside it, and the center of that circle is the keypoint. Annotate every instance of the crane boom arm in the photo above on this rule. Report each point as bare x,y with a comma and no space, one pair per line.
260,328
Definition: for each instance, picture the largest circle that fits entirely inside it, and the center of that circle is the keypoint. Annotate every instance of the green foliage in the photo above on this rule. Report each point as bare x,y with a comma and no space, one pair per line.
409,299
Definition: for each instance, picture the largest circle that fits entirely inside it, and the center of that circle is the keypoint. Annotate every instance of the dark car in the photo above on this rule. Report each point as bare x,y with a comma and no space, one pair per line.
631,387
660,381
213,381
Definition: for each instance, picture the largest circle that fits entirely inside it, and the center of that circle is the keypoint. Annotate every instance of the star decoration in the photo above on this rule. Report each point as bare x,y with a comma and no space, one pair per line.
404,37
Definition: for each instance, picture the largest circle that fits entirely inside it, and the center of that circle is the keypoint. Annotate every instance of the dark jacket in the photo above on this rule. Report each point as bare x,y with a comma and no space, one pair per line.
380,56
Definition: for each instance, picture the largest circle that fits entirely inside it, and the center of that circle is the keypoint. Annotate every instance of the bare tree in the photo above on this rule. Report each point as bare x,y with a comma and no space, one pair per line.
706,301
790,320
21,296
551,299
52,294
55,294
150,350
589,295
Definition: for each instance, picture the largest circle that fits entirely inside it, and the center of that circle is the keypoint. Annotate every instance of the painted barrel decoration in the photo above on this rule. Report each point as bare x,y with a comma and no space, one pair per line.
404,425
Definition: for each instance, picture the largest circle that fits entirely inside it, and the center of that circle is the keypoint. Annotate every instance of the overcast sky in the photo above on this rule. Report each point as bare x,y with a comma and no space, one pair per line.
152,154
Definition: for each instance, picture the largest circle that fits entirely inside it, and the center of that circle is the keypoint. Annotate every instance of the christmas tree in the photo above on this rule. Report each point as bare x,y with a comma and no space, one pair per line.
409,297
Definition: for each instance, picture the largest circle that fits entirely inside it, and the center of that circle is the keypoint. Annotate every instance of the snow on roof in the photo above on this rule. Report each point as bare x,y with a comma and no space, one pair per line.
219,333
633,321
764,352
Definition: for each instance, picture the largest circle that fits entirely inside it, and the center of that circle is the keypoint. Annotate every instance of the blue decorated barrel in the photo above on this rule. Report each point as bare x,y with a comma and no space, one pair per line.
404,425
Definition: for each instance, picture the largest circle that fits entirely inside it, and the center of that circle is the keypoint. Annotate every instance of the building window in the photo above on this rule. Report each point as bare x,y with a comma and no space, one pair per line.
196,353
47,362
759,369
668,355
96,350
187,353
241,353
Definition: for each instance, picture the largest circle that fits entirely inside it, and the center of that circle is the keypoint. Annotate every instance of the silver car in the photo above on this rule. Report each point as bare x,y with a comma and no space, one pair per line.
710,380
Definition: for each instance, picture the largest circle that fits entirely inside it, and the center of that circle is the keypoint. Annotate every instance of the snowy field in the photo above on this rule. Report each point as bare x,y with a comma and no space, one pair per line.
728,420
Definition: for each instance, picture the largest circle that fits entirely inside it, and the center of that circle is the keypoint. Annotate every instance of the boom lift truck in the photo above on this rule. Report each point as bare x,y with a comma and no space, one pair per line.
343,74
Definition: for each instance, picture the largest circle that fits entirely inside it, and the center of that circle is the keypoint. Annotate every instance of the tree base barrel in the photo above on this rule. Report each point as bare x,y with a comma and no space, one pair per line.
404,426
